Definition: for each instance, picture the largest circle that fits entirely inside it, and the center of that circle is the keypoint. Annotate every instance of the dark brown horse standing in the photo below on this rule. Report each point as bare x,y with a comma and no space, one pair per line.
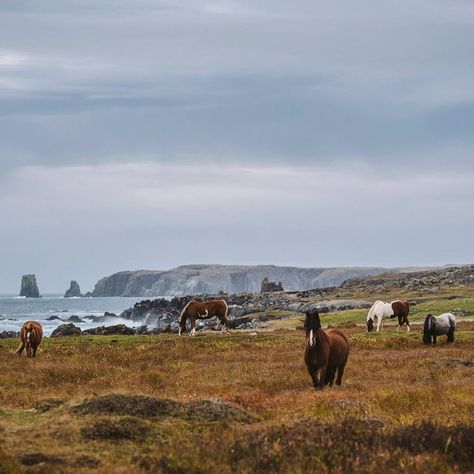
203,310
326,352
31,334
401,310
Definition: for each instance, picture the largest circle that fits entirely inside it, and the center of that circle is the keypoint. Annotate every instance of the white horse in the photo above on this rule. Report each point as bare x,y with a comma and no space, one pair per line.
437,326
378,310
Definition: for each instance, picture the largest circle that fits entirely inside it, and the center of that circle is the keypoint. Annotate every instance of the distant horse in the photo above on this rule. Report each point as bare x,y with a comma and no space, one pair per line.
437,326
31,334
380,310
326,352
203,310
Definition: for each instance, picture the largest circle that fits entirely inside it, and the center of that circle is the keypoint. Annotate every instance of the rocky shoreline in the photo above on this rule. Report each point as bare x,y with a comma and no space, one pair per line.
246,311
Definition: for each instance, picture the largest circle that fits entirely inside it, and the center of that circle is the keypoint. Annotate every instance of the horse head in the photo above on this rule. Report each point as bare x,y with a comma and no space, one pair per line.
311,324
370,325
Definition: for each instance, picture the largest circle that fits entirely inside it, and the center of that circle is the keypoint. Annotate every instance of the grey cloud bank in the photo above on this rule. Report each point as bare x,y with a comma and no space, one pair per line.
151,134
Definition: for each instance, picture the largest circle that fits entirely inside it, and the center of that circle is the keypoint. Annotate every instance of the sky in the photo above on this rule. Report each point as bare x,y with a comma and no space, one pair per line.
150,134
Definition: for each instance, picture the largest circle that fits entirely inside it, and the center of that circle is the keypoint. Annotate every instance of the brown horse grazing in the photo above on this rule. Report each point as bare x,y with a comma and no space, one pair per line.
203,310
401,310
326,352
31,334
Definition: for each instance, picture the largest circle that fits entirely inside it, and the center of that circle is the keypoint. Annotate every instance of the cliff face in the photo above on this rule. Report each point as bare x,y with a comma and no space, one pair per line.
199,279
29,287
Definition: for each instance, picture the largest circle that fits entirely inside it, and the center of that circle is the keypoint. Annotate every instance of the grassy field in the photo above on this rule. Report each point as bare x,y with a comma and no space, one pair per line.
241,402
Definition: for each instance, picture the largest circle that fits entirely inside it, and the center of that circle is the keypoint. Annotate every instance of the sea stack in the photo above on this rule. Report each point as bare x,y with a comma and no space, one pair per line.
73,291
29,287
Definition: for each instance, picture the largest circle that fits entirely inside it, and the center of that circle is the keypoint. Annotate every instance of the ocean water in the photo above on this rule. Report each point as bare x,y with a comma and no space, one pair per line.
14,311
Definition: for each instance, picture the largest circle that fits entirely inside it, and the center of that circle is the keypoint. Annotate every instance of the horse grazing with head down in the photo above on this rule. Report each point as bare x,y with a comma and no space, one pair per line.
31,334
381,310
326,352
203,310
437,326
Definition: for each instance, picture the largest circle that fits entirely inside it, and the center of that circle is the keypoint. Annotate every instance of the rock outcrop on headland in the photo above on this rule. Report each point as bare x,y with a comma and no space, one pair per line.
74,290
161,315
422,280
269,286
212,279
29,287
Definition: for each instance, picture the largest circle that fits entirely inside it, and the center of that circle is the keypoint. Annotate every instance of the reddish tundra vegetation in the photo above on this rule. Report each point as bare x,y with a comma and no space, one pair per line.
242,401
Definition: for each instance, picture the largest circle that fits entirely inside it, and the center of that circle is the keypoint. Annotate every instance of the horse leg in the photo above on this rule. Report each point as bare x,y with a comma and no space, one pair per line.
20,349
34,351
408,325
193,327
379,321
340,373
225,324
322,377
313,372
434,340
330,376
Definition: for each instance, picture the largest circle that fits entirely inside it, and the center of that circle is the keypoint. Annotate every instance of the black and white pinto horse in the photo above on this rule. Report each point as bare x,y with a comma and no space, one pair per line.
437,326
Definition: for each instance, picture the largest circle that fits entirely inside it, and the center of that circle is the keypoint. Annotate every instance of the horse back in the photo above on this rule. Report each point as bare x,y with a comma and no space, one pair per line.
400,308
339,346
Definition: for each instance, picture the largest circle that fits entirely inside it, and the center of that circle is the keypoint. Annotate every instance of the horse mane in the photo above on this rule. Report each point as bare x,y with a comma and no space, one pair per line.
370,315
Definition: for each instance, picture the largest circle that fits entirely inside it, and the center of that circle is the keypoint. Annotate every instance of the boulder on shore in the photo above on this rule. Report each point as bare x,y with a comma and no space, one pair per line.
118,329
74,290
269,286
29,287
66,330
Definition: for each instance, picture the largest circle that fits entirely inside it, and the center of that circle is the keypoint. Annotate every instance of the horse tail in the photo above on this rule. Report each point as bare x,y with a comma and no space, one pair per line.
452,327
427,328
183,312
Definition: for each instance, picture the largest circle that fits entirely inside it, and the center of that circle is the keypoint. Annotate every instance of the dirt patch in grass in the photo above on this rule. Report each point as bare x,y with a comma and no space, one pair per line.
132,405
48,404
32,459
453,363
116,429
214,409
149,407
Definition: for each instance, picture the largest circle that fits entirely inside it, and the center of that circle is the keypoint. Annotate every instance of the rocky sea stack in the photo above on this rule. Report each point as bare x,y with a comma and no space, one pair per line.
74,290
29,287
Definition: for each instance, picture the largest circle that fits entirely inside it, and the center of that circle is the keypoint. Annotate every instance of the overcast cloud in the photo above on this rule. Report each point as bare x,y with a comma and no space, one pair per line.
148,134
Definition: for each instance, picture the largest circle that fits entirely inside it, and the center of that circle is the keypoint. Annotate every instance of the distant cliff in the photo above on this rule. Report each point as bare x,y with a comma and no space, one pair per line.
199,279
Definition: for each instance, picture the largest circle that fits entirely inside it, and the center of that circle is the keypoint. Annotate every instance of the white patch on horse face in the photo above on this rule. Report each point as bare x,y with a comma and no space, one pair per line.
311,338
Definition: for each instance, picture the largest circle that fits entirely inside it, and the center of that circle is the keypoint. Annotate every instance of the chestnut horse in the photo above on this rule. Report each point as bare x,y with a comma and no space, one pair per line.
381,310
203,310
31,334
326,352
